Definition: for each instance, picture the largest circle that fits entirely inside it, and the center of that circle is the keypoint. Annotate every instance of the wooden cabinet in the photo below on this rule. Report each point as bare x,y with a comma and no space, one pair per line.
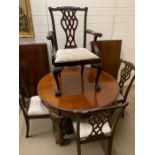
110,55
33,64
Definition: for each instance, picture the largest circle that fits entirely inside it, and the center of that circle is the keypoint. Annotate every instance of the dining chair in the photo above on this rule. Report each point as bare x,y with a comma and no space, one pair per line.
31,106
96,125
71,54
126,77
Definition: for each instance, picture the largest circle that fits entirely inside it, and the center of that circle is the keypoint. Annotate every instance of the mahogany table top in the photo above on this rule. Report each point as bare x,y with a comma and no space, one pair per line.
78,92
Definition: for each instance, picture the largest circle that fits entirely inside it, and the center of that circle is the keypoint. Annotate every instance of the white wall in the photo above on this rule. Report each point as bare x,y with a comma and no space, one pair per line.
113,18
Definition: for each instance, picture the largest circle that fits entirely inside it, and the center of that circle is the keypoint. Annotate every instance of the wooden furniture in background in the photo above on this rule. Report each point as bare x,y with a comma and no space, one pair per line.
79,95
110,55
33,64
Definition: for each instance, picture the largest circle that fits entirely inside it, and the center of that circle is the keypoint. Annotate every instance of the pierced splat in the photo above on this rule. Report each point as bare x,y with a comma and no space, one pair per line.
69,23
97,121
125,75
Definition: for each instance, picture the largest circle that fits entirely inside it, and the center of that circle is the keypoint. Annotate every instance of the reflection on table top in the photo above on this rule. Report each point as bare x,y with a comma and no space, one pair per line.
78,92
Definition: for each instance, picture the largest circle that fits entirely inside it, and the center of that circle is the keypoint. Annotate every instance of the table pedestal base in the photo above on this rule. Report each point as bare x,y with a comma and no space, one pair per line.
61,126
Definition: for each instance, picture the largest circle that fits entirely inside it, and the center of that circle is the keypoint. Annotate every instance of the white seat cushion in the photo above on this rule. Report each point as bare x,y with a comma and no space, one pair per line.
36,107
74,54
86,128
120,97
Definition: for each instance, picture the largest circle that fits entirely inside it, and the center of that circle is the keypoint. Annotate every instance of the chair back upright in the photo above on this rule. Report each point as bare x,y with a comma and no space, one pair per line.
24,96
69,23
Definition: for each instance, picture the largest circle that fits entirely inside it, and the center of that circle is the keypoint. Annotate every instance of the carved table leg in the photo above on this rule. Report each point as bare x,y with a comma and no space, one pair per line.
56,120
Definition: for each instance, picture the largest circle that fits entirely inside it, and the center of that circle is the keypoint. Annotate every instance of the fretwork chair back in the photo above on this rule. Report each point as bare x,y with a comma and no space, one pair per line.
71,55
126,77
31,106
97,125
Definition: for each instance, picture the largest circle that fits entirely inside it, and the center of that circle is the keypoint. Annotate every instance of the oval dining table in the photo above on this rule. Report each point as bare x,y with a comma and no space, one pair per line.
78,94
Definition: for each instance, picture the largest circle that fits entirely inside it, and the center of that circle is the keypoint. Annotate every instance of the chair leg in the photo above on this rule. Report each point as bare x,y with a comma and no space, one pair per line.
123,110
123,113
82,69
78,147
27,127
110,146
99,69
56,74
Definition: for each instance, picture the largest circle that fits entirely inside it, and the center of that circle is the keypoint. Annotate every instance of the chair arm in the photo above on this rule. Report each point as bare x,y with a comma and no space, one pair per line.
51,36
95,34
96,49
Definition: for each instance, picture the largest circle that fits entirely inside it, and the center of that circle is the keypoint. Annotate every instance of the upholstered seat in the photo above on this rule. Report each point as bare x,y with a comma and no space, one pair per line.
86,128
120,97
36,107
75,54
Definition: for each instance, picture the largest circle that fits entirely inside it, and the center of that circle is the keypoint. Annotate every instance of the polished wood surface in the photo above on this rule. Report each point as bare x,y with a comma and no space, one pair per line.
78,93
33,64
110,55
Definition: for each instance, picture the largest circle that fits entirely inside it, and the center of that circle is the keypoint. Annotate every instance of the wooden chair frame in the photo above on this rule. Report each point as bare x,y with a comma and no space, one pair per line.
110,114
69,16
24,101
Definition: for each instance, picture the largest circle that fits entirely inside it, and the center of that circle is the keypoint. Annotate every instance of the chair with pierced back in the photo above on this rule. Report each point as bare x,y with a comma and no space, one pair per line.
97,125
71,55
126,77
32,106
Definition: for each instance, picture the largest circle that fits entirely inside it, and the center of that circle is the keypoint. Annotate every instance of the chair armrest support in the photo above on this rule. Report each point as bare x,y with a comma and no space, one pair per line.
51,36
95,34
96,49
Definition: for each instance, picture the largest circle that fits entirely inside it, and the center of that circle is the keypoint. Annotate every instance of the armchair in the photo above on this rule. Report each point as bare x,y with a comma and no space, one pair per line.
96,125
72,55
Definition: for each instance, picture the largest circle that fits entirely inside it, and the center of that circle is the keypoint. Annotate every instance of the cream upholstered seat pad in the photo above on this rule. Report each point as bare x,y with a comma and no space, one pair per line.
37,107
86,128
120,97
74,54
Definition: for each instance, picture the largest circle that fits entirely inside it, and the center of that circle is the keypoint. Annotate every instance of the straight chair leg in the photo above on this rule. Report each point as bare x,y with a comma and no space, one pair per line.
123,110
110,146
78,147
27,127
123,114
